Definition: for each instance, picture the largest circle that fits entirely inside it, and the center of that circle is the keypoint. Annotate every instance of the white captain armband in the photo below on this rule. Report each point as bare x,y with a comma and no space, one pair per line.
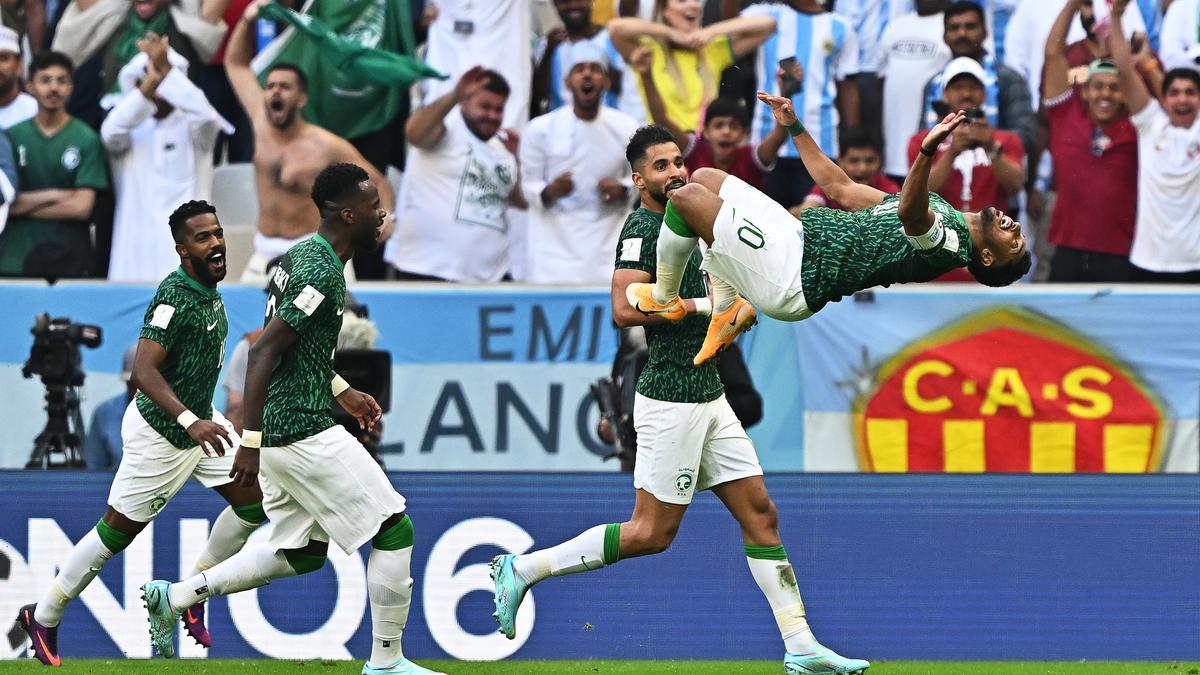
932,238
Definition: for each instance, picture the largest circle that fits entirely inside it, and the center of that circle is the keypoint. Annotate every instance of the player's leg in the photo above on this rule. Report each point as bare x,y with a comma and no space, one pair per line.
689,217
389,587
670,437
748,501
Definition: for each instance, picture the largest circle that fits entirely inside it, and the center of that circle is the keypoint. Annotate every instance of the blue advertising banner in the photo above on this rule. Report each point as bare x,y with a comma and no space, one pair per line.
891,567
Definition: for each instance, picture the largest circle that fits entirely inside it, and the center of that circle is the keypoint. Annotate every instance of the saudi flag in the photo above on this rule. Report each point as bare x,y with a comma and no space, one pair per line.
356,54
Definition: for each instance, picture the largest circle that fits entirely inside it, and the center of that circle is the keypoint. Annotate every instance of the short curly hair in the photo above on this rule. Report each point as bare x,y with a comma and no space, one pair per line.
335,183
185,212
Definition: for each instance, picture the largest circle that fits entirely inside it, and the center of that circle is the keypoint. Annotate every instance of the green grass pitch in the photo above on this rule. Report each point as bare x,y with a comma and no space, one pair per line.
263,667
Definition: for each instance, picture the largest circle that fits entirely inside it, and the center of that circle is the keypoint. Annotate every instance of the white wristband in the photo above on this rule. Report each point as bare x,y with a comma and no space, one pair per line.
251,439
339,385
187,418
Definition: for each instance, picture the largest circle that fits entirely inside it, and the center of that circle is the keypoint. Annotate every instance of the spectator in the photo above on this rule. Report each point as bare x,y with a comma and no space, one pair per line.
468,30
160,137
1094,149
461,178
687,60
102,446
575,177
60,167
289,152
550,90
869,19
911,51
15,105
825,47
1166,242
978,165
1180,46
109,30
860,158
28,19
1005,93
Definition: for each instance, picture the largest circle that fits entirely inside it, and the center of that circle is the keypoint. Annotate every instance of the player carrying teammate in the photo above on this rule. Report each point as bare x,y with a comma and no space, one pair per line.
171,432
688,439
791,268
318,481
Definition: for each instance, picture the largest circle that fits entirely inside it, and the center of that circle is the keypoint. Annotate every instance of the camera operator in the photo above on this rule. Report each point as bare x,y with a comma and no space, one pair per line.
632,353
978,165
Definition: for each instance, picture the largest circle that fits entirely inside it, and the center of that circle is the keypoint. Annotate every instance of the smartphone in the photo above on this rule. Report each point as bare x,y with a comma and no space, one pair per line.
975,114
788,86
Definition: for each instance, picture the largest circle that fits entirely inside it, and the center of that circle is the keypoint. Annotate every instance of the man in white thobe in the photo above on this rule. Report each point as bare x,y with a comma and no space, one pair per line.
575,178
159,137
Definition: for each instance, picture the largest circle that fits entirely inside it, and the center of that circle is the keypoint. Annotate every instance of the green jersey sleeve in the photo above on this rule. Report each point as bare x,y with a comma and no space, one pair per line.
309,295
167,318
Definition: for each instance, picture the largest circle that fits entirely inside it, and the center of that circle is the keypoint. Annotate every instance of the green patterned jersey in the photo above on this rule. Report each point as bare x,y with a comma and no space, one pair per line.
669,374
847,252
188,319
308,291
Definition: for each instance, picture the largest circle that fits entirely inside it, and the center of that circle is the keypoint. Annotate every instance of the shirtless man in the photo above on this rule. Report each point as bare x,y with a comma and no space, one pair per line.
288,153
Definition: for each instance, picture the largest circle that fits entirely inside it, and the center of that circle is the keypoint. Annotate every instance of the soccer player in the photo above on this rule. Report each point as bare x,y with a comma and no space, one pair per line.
792,268
171,432
688,439
318,481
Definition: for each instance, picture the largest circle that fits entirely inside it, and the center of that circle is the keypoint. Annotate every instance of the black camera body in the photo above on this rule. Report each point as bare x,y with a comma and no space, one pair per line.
55,353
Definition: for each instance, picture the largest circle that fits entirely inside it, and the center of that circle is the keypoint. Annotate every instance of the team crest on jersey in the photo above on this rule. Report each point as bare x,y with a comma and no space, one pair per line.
70,158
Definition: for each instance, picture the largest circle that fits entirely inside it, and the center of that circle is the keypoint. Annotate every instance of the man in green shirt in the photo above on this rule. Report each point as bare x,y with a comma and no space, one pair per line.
171,432
792,268
687,436
60,167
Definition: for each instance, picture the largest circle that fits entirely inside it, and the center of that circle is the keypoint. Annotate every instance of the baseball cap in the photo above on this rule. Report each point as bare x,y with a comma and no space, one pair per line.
963,65
1098,66
127,362
584,51
9,40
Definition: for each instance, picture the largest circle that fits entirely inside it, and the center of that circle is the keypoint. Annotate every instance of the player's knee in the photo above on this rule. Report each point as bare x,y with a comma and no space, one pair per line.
649,539
304,562
687,196
709,178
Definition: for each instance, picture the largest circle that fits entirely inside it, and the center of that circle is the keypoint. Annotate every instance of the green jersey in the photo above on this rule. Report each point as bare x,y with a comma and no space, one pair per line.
847,252
71,158
669,374
188,319
308,292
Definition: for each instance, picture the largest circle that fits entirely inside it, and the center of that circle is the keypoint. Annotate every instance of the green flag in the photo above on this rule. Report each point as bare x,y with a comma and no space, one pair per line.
351,52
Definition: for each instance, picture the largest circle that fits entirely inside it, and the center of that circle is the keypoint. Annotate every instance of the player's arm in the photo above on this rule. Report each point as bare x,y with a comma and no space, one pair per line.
623,314
361,405
827,174
914,210
276,339
149,380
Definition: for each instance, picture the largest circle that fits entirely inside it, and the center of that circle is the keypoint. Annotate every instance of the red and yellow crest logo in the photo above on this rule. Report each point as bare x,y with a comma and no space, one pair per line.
1006,390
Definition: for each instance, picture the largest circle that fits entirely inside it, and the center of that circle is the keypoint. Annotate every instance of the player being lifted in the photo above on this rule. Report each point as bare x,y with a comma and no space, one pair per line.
790,268
319,483
171,432
688,439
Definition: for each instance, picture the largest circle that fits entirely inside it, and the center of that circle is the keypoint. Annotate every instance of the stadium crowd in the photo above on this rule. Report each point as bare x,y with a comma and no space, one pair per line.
511,138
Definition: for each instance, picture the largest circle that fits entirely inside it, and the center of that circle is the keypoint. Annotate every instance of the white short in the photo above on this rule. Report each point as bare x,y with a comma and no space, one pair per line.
684,447
758,248
152,470
325,487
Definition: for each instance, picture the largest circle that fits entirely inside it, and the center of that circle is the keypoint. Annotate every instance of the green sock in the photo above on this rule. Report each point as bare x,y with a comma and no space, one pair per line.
251,513
396,537
112,539
673,220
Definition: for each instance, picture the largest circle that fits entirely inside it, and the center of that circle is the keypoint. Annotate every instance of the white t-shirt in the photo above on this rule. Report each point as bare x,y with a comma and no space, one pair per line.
493,33
1167,238
911,51
1180,35
22,108
573,240
452,220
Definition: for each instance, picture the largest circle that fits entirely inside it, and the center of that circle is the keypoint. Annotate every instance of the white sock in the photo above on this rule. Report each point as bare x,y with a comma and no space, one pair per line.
390,588
673,253
82,565
248,569
723,294
228,535
778,582
584,553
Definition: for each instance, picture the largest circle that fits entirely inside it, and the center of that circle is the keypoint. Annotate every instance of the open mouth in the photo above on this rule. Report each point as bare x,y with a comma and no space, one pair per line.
587,88
1008,224
725,147
216,260
275,105
675,184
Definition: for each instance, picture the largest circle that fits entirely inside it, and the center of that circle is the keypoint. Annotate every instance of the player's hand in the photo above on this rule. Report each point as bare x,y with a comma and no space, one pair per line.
781,108
208,434
361,406
245,467
561,186
470,82
943,129
611,189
